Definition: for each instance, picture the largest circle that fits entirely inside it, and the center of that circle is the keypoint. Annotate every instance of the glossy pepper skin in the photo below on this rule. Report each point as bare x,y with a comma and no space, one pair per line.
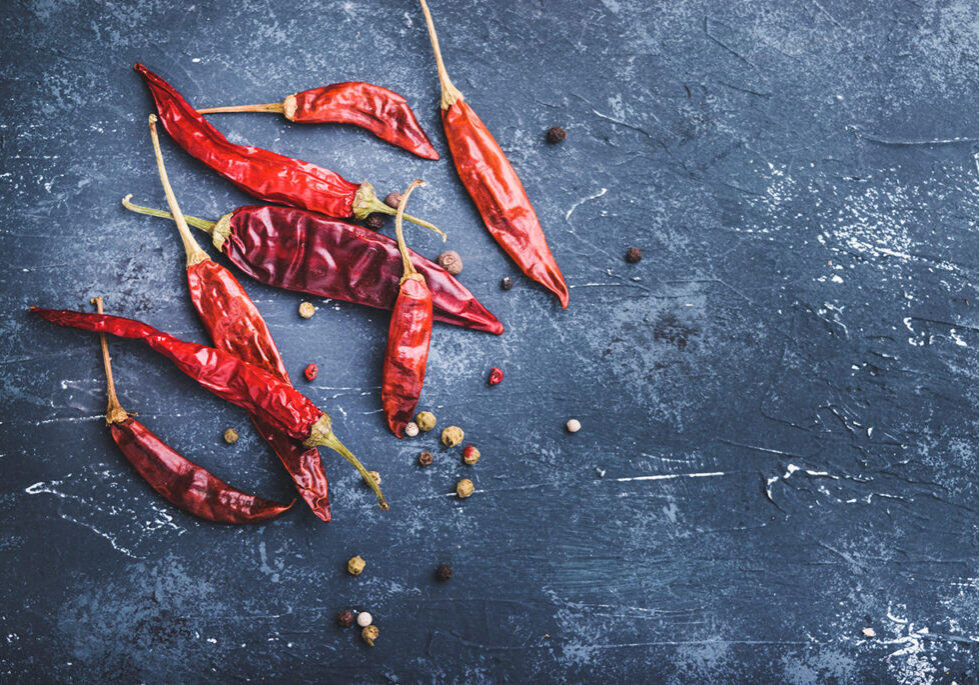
262,173
248,386
183,483
409,335
493,185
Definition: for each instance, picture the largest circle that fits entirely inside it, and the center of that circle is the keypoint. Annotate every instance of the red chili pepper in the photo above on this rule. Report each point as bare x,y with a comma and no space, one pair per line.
178,480
306,252
310,372
236,326
409,336
495,376
264,174
493,185
246,385
379,110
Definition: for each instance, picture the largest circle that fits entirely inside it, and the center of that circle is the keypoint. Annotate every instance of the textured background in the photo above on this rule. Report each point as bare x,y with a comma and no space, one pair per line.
780,431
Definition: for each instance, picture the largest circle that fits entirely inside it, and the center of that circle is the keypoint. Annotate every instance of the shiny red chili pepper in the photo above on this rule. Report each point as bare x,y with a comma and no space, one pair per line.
409,335
178,480
303,251
264,174
379,110
236,326
493,185
246,385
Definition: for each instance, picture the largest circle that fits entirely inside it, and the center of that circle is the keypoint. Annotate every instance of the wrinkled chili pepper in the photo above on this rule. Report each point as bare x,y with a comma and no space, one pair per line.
178,480
236,326
303,251
264,174
409,335
379,110
246,385
492,183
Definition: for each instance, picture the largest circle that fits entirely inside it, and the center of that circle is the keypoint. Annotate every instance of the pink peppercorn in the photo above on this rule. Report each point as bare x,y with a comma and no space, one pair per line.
495,376
310,372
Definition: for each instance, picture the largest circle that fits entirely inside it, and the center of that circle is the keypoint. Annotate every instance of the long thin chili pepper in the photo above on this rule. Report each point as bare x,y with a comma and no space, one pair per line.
409,336
236,326
379,110
264,174
307,252
492,183
246,385
178,480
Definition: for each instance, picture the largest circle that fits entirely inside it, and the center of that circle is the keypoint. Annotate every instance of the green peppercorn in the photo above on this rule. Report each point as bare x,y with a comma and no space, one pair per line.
452,436
425,420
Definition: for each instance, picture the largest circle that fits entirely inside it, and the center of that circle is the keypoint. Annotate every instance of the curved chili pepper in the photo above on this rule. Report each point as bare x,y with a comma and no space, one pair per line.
306,252
409,336
248,386
236,326
264,174
178,480
379,110
493,185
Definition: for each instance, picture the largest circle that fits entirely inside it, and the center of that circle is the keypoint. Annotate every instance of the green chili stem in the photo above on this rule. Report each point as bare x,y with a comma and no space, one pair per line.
449,92
384,209
202,224
194,252
334,444
277,107
409,268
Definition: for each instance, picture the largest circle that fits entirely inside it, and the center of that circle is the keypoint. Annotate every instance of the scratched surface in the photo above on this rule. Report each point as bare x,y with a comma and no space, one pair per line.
779,406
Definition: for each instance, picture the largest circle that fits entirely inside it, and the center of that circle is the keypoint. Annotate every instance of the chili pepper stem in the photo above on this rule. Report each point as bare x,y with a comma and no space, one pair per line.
114,413
449,92
366,202
409,268
194,252
202,224
322,434
276,107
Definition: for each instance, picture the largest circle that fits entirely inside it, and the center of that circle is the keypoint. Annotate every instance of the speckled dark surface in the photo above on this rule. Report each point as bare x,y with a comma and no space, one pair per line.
780,424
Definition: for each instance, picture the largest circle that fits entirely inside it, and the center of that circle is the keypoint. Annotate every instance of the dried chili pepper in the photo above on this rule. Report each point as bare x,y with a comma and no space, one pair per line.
409,336
178,480
379,110
264,174
248,386
236,326
492,183
303,251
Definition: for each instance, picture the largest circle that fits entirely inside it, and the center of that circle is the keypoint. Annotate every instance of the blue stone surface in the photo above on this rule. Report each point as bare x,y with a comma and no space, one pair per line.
779,402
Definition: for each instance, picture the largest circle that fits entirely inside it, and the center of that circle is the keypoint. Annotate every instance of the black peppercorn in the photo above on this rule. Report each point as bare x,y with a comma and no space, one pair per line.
376,221
555,134
426,458
506,283
345,618
443,572
633,255
393,200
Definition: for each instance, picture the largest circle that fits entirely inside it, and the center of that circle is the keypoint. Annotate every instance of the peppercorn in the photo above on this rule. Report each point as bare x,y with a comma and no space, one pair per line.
452,436
443,572
392,200
376,476
495,376
364,619
425,420
411,429
345,618
573,426
231,436
465,488
310,372
370,634
633,255
450,261
306,310
426,458
470,455
356,565
506,283
555,134
375,221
